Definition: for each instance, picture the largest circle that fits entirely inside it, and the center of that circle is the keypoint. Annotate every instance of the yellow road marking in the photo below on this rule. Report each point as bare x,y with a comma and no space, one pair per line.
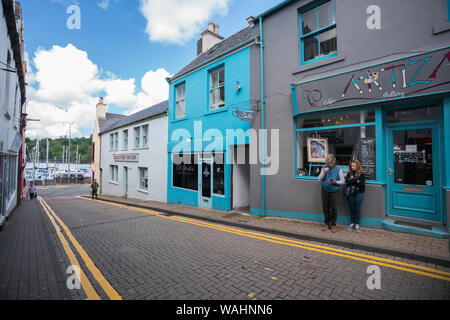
85,283
106,286
311,247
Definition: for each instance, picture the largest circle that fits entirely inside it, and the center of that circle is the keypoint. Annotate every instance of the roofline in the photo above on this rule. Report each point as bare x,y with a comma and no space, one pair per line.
278,6
158,115
236,48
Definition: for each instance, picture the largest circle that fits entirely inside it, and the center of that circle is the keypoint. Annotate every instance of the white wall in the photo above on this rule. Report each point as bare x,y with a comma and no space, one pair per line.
154,158
241,180
11,106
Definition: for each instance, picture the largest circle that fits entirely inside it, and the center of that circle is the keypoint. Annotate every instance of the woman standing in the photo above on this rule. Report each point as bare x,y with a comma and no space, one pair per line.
355,184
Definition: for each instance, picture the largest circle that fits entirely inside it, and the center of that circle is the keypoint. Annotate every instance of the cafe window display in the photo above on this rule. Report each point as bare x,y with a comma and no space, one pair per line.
347,135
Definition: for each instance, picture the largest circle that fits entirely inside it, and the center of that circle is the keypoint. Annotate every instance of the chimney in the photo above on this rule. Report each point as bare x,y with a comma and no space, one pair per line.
250,21
101,109
209,38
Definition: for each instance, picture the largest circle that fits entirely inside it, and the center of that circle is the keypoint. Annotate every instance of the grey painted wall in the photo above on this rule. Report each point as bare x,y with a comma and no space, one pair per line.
406,28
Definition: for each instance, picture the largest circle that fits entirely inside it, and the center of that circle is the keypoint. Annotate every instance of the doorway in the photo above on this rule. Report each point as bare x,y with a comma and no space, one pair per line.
205,183
414,177
125,182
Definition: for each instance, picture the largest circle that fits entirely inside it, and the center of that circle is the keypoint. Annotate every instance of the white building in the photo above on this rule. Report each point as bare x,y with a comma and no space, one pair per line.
12,98
134,155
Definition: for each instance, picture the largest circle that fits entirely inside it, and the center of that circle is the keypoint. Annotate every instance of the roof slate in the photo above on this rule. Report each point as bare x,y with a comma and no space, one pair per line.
219,48
150,112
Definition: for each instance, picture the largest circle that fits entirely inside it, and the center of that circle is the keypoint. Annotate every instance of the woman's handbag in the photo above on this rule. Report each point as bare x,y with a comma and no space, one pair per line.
347,191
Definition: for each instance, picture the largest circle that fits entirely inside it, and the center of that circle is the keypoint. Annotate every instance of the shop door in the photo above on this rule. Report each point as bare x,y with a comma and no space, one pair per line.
414,172
205,181
125,181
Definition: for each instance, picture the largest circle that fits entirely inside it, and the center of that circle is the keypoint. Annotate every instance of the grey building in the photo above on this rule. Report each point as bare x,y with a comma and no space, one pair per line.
366,80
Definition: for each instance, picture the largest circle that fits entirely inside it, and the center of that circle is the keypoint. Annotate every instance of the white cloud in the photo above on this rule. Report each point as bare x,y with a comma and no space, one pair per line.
66,85
178,21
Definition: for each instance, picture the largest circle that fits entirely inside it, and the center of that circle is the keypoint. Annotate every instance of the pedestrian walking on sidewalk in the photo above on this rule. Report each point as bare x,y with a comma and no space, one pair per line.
331,178
355,185
32,191
94,190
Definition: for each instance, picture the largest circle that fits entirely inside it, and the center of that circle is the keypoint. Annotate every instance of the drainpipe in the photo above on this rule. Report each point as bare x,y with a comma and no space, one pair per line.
263,102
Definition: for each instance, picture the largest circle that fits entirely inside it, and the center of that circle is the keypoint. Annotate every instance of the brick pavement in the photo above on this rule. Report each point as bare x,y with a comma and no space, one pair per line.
30,263
149,257
409,246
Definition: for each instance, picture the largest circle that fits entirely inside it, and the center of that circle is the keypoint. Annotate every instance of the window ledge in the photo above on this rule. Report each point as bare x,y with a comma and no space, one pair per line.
113,182
179,119
439,28
142,191
144,148
220,110
319,64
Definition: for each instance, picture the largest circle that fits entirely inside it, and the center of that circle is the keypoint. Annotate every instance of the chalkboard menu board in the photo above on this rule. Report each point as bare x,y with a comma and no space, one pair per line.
367,157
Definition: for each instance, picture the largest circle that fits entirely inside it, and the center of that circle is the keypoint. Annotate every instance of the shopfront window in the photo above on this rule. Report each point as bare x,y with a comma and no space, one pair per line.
349,136
219,174
185,171
413,114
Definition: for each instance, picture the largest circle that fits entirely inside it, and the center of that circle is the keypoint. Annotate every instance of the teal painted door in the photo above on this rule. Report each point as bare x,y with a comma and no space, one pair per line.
205,183
414,183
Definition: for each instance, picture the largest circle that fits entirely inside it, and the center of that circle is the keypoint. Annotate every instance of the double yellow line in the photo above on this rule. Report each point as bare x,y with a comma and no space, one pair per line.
85,283
389,263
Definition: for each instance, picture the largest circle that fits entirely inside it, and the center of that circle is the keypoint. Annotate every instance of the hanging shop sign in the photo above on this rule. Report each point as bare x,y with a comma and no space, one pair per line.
244,115
422,74
127,157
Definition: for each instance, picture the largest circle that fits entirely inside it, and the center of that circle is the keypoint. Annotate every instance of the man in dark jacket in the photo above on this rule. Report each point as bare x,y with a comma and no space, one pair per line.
94,189
331,179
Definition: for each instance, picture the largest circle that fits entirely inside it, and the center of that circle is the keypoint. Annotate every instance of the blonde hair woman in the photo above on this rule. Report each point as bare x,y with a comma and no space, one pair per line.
355,183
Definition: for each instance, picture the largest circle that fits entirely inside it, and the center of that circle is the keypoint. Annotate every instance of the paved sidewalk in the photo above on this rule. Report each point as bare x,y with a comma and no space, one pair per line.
30,265
402,245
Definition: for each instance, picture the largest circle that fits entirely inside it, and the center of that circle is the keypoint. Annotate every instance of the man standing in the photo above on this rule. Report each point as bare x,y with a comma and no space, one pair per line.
331,178
94,189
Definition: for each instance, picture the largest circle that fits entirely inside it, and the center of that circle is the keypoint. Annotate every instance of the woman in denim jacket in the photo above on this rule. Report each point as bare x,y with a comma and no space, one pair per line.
355,181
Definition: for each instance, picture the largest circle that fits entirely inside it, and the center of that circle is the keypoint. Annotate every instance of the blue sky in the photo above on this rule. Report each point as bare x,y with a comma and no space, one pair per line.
115,39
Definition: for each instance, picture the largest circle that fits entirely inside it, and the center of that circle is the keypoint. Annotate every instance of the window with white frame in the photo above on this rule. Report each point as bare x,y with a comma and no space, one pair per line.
116,141
114,173
125,139
217,88
347,135
111,141
145,136
137,137
180,98
143,179
318,37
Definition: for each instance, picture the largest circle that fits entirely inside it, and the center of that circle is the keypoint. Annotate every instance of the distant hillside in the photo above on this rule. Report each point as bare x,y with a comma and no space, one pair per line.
56,149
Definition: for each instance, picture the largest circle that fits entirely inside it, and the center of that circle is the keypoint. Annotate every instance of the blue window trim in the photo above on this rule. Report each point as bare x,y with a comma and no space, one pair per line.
316,32
378,124
175,119
208,85
448,10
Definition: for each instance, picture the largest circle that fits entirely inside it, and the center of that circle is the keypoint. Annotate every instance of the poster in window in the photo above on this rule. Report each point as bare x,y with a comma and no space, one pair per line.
317,149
